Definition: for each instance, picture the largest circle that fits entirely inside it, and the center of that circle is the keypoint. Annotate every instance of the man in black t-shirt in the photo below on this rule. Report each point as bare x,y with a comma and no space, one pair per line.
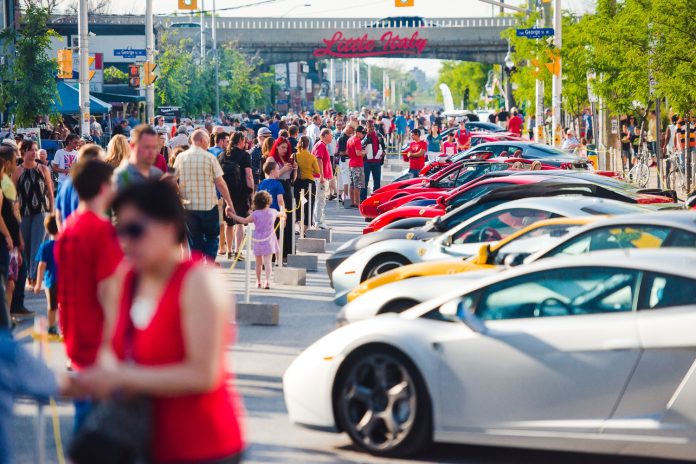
342,155
237,172
503,117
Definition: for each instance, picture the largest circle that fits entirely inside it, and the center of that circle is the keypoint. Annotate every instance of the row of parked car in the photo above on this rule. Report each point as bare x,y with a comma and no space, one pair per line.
551,309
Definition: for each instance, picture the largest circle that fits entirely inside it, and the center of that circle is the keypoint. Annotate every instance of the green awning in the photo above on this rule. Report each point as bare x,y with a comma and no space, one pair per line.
118,98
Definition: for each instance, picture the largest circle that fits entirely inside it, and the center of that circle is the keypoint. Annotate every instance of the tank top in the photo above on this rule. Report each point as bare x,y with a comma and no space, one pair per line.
32,192
192,427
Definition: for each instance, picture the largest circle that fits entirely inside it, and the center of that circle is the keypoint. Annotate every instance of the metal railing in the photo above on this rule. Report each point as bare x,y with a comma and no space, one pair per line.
298,23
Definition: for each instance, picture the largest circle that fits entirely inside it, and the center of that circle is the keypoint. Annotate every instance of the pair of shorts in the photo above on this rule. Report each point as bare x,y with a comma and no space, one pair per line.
344,173
357,177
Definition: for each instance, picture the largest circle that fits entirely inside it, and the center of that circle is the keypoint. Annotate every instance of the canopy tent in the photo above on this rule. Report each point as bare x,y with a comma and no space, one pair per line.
118,98
68,101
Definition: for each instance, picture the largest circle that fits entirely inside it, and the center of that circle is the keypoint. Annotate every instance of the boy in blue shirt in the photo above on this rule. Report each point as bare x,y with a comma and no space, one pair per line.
272,185
46,273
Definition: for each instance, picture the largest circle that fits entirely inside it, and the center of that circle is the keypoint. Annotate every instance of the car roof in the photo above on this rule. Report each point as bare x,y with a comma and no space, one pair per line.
544,223
672,261
680,219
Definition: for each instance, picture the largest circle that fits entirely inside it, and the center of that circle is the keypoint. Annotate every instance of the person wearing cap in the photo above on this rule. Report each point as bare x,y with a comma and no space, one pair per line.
181,139
257,154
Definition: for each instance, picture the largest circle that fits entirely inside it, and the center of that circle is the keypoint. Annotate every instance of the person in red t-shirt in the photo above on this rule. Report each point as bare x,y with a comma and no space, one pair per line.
449,146
463,137
515,123
88,254
416,153
356,163
321,151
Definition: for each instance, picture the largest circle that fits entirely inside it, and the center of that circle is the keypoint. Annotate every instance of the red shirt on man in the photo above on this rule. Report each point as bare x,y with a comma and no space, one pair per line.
419,161
87,253
463,138
322,154
515,125
353,147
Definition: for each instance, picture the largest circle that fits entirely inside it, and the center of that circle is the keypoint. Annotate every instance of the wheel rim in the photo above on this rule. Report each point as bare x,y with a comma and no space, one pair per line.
379,402
383,267
643,175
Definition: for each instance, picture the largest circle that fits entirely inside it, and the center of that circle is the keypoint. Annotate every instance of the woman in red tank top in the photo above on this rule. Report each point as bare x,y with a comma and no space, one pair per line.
170,335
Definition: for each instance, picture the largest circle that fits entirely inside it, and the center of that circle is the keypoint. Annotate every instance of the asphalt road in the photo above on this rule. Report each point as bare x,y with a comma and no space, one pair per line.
259,358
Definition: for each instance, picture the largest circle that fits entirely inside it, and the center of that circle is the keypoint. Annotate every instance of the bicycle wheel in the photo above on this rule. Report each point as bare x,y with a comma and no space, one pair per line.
642,174
678,183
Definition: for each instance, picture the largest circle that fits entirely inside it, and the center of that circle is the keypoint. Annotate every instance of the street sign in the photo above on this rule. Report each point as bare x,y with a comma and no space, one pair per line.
129,53
535,32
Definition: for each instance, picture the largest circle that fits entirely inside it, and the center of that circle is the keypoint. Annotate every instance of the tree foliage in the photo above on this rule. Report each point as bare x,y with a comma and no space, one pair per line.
113,75
184,82
28,86
624,42
460,76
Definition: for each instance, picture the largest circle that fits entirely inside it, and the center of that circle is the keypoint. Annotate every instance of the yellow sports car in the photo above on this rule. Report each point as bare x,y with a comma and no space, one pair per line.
513,249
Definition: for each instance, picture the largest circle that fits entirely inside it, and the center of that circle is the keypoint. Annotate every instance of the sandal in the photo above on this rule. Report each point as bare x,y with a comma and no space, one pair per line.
267,287
258,284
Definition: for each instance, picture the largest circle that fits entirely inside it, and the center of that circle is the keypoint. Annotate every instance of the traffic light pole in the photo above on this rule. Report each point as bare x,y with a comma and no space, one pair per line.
150,51
217,65
83,33
556,83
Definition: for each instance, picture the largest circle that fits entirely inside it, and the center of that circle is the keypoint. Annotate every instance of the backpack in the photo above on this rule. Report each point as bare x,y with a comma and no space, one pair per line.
231,173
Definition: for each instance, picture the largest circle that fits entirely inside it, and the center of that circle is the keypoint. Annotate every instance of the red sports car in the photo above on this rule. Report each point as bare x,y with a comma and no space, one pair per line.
451,177
465,193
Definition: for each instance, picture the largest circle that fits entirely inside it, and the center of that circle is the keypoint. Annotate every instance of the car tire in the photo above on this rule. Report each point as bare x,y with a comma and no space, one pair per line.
383,263
381,402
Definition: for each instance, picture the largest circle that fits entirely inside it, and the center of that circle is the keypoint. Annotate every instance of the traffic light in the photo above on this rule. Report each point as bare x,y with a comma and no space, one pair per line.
188,4
554,66
148,73
401,3
537,65
134,76
91,72
65,63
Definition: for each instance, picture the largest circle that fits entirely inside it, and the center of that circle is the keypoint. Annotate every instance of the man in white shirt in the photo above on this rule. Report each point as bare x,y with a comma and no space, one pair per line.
66,157
314,130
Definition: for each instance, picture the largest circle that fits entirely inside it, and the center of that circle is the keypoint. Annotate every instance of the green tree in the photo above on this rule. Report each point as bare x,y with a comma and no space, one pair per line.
30,89
113,75
463,75
674,60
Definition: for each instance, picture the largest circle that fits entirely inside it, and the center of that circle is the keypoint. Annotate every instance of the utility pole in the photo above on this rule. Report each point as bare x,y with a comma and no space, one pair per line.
332,83
217,65
369,85
83,33
540,135
556,83
357,84
202,34
150,53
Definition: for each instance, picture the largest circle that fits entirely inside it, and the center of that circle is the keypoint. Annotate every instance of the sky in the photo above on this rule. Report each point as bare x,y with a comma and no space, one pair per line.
345,9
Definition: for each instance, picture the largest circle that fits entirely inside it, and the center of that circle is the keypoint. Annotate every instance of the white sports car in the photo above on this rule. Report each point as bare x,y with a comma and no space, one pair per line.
466,239
593,353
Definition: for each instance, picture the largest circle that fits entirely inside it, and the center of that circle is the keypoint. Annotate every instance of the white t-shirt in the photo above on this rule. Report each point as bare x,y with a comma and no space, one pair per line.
386,123
64,160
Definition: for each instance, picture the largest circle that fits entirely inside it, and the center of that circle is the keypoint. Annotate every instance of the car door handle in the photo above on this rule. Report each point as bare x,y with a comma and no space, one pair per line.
621,344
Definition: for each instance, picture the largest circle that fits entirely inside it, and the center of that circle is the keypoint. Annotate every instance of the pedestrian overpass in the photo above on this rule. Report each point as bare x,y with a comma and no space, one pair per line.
286,40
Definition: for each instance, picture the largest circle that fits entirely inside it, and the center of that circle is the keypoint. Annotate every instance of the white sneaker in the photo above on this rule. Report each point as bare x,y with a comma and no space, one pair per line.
322,226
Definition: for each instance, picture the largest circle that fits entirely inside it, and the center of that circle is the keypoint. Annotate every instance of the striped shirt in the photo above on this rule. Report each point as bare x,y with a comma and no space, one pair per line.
197,170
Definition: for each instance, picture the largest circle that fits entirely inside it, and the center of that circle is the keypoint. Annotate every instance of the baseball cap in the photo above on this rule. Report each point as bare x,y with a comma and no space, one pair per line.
264,131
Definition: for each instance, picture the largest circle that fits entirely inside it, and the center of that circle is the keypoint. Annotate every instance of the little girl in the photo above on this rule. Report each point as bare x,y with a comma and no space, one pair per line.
264,241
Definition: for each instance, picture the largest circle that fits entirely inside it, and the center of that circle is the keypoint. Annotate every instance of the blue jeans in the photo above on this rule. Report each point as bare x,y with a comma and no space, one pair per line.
82,410
34,234
374,170
204,231
413,173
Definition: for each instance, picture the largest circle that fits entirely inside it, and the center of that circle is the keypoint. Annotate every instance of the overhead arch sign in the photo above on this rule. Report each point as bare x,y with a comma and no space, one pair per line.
389,43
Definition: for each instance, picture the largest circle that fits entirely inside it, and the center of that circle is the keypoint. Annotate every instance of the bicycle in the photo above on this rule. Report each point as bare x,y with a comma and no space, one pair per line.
676,179
639,174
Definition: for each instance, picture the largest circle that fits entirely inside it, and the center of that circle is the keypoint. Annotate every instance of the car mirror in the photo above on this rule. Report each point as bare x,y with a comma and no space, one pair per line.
484,254
447,241
514,259
458,310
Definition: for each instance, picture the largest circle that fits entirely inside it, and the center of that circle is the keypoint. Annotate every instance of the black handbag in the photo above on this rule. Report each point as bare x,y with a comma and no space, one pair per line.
117,430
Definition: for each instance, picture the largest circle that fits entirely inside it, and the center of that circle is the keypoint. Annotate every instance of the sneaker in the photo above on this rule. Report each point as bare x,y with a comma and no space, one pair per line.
53,335
321,225
23,313
332,197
